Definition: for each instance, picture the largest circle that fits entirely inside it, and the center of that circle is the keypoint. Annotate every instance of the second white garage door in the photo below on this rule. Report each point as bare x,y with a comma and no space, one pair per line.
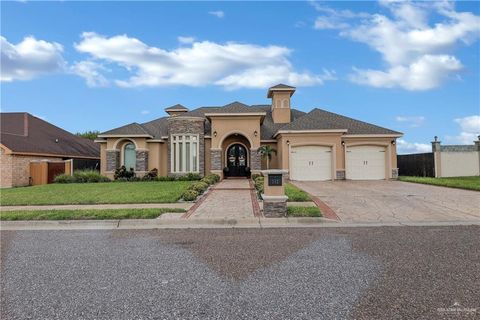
311,163
365,163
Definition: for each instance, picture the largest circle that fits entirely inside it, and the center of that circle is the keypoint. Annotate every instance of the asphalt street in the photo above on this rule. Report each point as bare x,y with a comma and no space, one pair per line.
312,273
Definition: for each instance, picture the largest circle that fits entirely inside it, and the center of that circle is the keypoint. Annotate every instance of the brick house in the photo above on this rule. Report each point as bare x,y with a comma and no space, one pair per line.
25,138
318,145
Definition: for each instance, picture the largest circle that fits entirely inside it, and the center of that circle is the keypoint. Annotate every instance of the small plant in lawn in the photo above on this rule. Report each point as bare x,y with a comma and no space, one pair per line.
190,195
255,176
259,184
150,175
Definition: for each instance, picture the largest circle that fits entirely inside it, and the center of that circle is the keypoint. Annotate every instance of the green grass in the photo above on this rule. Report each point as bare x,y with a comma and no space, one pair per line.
95,193
304,212
94,214
469,183
295,194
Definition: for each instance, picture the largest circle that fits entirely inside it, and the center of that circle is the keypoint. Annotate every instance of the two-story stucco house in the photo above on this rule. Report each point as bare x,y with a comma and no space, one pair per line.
318,145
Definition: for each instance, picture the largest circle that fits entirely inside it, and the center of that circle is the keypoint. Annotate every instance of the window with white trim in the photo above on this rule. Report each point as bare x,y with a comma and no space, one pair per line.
184,153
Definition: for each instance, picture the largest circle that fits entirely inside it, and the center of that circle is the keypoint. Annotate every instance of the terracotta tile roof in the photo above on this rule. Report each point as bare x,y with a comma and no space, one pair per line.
22,132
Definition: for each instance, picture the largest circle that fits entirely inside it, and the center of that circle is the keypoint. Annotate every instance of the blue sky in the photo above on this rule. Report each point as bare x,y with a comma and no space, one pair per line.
409,66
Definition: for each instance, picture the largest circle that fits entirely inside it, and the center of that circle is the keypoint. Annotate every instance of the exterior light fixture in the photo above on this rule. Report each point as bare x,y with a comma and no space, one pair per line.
214,133
343,143
255,133
288,142
393,142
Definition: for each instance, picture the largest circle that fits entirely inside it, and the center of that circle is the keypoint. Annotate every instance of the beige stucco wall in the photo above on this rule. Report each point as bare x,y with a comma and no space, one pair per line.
226,126
470,164
208,146
334,140
15,169
281,107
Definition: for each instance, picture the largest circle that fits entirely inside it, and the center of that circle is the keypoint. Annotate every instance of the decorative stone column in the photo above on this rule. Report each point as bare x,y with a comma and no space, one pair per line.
255,161
216,160
141,160
274,198
113,160
436,148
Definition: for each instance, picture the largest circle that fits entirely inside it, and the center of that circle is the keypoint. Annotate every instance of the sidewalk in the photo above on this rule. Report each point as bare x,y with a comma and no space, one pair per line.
230,198
179,205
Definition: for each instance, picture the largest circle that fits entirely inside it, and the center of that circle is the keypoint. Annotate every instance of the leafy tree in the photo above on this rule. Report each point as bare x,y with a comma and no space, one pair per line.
267,151
92,135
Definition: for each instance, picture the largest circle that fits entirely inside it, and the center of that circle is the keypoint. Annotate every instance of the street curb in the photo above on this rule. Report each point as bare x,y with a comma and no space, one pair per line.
199,223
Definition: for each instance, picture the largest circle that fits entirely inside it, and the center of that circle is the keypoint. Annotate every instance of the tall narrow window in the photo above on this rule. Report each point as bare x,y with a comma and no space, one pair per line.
129,156
184,155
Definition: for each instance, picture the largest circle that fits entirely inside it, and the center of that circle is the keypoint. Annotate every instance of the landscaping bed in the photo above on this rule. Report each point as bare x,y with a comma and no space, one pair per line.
96,193
469,183
86,214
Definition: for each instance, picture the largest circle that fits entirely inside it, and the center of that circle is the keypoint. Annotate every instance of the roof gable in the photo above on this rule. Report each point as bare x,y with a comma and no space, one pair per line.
129,129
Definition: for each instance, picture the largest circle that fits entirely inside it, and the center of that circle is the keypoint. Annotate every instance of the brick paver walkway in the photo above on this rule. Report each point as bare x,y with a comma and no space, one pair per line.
230,198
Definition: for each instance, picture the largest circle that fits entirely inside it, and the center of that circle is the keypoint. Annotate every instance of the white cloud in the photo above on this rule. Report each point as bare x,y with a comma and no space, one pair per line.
29,58
231,65
470,129
417,54
404,147
145,112
92,72
413,121
186,40
218,13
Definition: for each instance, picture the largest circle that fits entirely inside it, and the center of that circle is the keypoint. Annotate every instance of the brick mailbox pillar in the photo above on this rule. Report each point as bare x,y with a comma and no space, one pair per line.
274,198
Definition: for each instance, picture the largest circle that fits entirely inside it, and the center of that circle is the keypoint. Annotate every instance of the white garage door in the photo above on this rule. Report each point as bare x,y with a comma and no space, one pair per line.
311,163
365,163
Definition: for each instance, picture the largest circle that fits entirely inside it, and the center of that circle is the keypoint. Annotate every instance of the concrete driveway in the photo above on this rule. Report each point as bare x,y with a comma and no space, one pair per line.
395,201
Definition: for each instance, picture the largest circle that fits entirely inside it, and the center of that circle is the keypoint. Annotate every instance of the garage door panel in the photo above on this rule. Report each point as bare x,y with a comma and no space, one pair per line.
311,163
365,163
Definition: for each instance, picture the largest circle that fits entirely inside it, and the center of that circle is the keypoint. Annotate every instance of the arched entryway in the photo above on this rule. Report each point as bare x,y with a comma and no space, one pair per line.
236,156
237,160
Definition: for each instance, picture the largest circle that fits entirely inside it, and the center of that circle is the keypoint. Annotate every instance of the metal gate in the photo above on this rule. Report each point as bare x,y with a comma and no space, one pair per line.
418,165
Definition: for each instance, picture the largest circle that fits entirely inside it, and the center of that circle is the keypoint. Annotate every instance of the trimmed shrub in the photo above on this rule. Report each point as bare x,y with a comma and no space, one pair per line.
259,184
214,177
81,176
122,172
150,175
64,178
255,176
190,195
167,178
200,186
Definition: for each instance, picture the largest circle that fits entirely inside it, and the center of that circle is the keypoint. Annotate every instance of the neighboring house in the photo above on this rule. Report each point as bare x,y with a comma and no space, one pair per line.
318,145
25,138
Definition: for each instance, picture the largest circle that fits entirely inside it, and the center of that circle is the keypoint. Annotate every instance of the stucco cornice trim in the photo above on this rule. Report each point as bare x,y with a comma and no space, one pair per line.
156,140
235,114
310,131
397,135
124,136
267,140
99,141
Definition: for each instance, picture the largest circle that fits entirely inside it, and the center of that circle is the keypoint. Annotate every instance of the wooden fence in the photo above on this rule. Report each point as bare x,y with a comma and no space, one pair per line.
419,165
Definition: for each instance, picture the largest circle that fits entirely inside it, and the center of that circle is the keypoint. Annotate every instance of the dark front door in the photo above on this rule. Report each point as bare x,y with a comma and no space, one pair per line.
237,160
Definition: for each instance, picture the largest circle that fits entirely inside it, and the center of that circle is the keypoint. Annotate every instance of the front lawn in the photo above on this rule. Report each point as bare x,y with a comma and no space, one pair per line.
303,212
469,183
95,193
93,214
295,194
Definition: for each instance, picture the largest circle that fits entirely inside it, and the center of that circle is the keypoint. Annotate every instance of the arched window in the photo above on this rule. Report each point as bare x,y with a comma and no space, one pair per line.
129,156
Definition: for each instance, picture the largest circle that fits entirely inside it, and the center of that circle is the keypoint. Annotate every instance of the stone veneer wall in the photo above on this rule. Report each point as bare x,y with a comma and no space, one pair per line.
185,125
395,173
113,159
273,209
141,163
15,169
216,159
255,160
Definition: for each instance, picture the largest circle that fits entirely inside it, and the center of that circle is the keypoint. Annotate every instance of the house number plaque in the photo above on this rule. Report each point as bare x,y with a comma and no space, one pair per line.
274,179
